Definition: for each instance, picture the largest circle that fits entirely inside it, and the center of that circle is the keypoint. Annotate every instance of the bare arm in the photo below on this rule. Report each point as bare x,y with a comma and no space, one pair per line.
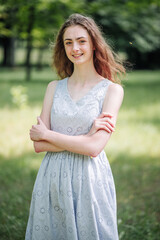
43,146
90,145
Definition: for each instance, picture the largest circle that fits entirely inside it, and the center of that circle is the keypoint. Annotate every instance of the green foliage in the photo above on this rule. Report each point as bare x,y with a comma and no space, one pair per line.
48,17
19,96
130,26
129,21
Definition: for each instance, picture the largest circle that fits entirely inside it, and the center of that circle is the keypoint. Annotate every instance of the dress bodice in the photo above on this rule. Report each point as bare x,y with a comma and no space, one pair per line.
76,117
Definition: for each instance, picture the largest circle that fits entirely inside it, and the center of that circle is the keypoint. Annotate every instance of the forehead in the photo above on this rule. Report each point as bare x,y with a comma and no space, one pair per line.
74,32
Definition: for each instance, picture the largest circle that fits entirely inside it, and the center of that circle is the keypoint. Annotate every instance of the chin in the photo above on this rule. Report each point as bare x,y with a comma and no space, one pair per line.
79,61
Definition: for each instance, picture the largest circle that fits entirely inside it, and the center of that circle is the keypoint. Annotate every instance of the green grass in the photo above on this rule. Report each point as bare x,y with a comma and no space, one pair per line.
133,152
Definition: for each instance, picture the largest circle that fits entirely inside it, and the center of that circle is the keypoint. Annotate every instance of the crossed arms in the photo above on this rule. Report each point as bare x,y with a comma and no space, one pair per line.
90,144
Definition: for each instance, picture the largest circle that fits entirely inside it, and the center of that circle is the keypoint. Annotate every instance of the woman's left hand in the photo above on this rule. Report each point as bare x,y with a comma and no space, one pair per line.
37,132
103,122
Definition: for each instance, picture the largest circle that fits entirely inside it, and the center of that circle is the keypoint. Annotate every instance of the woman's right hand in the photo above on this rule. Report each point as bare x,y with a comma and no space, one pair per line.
103,122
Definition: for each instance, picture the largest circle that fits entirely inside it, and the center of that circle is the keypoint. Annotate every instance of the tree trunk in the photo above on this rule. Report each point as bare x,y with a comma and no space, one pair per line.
8,51
28,58
40,58
29,41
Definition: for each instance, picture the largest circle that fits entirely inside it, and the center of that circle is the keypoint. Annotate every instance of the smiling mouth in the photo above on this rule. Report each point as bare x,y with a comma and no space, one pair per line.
77,55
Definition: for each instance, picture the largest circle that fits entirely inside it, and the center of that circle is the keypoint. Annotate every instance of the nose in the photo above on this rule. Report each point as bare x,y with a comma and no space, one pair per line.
75,47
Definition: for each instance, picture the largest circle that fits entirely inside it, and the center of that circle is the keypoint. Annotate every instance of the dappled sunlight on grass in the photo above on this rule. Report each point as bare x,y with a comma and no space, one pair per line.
135,139
137,132
33,161
14,126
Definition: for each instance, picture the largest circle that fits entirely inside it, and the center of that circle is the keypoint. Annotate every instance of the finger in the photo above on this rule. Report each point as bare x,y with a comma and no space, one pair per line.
109,121
30,136
107,125
107,129
104,124
35,126
105,120
110,127
33,129
103,127
38,120
105,114
102,121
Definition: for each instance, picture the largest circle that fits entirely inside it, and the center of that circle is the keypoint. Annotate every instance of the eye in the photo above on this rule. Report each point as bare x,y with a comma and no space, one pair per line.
82,41
68,43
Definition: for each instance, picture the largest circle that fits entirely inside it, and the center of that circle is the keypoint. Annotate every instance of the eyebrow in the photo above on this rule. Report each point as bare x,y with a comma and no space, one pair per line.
69,39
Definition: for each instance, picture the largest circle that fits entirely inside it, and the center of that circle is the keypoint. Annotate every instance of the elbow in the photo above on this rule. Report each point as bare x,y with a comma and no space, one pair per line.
95,153
97,143
94,150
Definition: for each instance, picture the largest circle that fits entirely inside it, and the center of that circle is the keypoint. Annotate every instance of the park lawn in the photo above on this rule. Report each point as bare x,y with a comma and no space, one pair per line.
133,152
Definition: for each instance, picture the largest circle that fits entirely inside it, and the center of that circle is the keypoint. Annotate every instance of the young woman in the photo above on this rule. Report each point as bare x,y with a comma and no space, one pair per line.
74,194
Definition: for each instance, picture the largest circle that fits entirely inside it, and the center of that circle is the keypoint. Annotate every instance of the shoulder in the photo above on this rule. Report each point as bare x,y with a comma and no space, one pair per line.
114,95
51,87
115,89
50,90
52,84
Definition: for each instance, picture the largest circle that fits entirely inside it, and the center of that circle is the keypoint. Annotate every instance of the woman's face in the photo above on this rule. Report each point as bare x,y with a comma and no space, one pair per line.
78,45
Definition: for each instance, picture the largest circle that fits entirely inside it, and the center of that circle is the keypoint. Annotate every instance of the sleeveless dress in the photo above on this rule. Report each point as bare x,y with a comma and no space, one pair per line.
74,195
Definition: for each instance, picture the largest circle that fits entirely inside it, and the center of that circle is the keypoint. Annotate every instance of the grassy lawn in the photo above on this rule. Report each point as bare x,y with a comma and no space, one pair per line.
133,152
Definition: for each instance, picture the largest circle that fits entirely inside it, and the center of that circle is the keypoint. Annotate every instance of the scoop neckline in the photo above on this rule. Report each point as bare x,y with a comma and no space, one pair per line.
80,99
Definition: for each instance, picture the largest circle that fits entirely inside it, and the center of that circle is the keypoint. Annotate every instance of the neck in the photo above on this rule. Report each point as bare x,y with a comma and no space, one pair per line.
85,73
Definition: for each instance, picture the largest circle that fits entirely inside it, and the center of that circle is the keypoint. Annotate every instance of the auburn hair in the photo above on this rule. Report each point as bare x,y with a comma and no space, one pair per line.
106,61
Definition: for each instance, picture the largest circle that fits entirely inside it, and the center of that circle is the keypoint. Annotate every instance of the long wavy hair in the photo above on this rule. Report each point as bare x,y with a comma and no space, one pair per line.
106,61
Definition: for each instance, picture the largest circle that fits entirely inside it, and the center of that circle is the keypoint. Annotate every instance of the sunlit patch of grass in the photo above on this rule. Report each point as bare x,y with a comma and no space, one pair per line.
136,133
14,128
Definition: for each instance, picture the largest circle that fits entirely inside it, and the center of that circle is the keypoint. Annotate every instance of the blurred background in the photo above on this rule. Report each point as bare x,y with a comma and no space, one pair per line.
27,32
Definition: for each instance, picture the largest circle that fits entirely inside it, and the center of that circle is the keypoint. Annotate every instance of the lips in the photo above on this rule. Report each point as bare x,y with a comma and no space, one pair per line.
77,55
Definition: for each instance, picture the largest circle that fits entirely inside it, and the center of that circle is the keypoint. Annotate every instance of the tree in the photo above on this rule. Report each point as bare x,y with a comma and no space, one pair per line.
7,37
133,27
130,26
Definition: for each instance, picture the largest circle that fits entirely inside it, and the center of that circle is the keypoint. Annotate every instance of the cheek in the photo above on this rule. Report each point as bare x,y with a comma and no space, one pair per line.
88,48
67,50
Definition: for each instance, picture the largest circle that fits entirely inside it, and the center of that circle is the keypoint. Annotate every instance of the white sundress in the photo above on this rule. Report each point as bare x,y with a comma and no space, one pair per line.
74,195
